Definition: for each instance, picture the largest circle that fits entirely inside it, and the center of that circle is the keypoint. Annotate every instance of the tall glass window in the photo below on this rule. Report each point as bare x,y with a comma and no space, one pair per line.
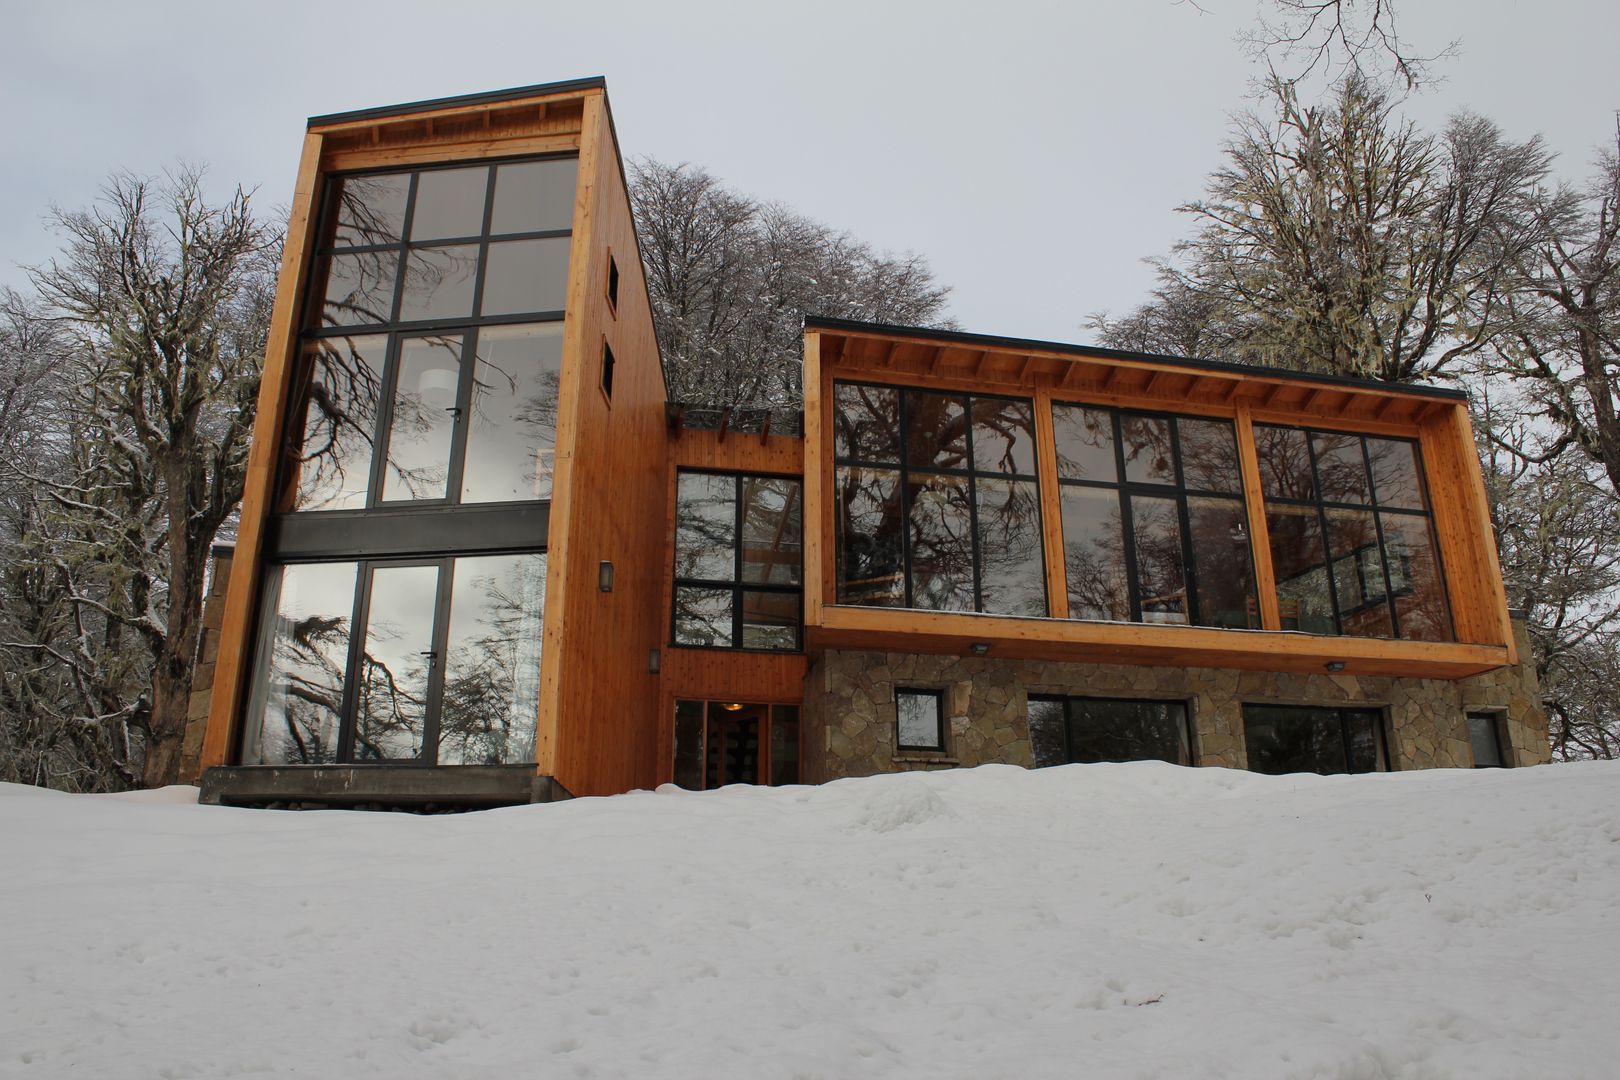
405,566
1154,527
1352,543
938,505
738,561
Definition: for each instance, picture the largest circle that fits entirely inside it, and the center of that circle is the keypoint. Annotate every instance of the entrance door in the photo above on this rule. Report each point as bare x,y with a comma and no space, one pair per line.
733,742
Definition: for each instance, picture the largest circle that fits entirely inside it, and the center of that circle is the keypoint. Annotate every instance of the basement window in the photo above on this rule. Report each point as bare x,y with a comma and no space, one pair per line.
1067,730
1485,736
919,721
1290,738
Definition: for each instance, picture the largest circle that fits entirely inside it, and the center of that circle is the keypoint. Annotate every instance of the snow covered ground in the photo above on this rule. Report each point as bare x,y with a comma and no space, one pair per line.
1088,921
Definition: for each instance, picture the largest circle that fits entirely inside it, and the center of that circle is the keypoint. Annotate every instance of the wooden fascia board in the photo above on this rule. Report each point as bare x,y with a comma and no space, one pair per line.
1082,641
280,362
456,112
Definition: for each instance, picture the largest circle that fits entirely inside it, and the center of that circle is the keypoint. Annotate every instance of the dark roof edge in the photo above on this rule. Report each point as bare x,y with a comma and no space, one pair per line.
821,322
595,82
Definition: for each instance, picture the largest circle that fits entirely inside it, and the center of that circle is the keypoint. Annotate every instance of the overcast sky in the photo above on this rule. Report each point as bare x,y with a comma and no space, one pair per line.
1033,152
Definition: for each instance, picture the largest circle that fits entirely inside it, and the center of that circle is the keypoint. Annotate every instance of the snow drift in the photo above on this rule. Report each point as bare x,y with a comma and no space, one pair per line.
1097,921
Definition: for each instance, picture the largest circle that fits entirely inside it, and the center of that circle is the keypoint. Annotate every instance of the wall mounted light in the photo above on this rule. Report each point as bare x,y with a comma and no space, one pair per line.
604,576
655,661
1334,665
979,648
732,706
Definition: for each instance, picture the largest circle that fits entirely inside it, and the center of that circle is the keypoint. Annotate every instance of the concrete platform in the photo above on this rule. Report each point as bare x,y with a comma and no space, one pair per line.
385,786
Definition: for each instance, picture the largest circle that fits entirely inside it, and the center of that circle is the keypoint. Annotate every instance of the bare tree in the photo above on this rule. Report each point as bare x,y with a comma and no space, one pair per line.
731,280
161,302
1339,238
1338,38
1564,349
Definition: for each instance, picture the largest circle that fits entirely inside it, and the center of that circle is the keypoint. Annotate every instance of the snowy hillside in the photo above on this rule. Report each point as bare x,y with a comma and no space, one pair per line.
1088,921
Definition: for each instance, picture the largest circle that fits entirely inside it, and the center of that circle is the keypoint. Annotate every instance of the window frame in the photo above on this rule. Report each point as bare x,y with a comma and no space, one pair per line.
1179,492
1189,725
736,585
1495,720
1376,509
905,471
938,698
1382,749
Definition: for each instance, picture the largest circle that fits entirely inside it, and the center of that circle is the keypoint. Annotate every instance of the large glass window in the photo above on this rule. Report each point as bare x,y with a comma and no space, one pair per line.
444,668
405,576
738,561
1154,527
1352,544
1291,738
1064,730
937,501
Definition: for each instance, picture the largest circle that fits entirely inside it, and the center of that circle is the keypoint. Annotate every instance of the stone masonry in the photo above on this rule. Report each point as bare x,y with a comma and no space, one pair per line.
850,713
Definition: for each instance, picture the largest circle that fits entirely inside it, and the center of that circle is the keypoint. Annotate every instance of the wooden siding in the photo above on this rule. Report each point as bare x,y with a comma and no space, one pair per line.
599,730
1440,424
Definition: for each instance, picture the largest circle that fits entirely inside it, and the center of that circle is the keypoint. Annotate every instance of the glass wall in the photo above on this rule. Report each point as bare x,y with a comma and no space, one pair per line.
444,667
1352,543
738,561
1154,526
938,505
405,573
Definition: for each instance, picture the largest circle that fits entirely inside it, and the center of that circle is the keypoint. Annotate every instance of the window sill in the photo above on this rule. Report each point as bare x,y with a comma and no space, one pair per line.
911,758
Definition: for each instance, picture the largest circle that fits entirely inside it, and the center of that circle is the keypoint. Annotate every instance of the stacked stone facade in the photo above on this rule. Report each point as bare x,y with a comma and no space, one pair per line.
850,712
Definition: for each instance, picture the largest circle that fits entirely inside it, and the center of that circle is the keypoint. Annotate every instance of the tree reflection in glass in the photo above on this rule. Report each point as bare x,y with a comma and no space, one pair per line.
422,424
491,698
512,429
941,530
333,461
870,562
370,210
396,664
1012,577
1298,559
1160,568
296,706
1094,554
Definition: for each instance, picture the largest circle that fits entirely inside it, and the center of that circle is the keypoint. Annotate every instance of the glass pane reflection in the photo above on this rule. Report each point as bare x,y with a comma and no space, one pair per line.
491,698
396,664
359,288
512,426
439,283
423,421
534,196
706,527
1094,554
521,276
333,461
1085,443
371,209
449,203
296,705
1012,572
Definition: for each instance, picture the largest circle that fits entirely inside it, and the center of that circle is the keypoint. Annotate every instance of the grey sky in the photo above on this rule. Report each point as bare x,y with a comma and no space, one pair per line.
1033,152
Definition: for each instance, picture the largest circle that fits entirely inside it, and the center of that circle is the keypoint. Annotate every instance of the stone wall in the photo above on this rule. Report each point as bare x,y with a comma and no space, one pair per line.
202,678
850,712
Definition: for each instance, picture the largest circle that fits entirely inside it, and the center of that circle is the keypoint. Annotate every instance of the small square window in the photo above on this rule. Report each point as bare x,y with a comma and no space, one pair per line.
607,370
613,283
919,718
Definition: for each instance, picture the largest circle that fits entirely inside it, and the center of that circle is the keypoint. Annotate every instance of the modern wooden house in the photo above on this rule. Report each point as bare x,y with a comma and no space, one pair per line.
483,560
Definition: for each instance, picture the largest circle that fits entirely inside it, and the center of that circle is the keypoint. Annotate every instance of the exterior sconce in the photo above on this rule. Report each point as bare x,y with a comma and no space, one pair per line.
655,661
604,576
979,648
1334,665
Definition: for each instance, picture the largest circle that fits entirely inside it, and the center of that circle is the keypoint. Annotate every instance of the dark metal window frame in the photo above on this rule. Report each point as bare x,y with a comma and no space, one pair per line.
1380,726
359,625
1495,719
905,470
938,698
1377,510
1178,491
1070,701
411,526
736,584
767,735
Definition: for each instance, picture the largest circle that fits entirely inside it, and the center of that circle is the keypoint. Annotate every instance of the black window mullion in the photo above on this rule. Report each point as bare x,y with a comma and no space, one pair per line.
1327,537
439,643
382,438
737,562
403,260
461,417
1127,523
483,241
973,501
360,614
905,490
